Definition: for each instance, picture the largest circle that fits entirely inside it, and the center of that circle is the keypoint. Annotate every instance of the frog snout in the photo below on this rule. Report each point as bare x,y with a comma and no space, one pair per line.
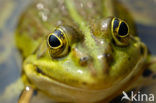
104,59
101,61
80,57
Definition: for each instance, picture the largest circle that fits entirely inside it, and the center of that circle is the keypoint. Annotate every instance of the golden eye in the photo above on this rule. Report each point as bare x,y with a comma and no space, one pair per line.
119,29
57,43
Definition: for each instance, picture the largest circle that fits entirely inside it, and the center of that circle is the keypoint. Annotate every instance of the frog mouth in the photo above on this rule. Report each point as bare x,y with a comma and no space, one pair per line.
33,71
39,71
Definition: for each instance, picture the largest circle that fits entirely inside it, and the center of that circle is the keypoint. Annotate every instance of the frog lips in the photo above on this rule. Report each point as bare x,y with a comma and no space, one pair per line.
38,70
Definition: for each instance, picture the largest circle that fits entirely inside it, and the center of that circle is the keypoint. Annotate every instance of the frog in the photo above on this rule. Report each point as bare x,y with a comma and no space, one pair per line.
79,51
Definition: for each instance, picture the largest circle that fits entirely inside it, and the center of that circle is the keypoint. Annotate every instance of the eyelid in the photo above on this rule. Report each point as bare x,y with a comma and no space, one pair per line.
71,33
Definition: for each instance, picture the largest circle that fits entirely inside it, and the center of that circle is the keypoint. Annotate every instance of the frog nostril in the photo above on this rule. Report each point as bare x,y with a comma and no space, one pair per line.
84,60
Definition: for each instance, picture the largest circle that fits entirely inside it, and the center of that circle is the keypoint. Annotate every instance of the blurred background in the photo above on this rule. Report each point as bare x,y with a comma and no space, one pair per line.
143,11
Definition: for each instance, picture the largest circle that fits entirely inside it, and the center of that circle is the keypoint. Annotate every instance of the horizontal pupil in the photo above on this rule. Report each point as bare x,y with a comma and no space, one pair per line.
54,41
123,29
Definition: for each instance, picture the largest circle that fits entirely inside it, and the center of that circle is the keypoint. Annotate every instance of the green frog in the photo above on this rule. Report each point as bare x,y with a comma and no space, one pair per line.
79,51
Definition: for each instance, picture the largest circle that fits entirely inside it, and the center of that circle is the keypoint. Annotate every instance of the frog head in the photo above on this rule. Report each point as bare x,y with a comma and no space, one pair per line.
106,57
81,59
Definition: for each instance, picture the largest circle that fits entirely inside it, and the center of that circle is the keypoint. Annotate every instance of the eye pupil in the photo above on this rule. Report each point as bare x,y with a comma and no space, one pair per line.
123,29
54,41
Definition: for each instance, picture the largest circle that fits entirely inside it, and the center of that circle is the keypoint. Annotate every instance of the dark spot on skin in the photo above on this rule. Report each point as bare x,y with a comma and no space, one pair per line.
123,29
147,73
154,76
108,57
107,61
54,41
141,50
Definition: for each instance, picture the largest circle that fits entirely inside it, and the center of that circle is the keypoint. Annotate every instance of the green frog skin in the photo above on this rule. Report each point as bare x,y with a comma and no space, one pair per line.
78,51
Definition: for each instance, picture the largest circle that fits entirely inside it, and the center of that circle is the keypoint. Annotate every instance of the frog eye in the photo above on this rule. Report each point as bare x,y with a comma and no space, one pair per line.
119,29
57,43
